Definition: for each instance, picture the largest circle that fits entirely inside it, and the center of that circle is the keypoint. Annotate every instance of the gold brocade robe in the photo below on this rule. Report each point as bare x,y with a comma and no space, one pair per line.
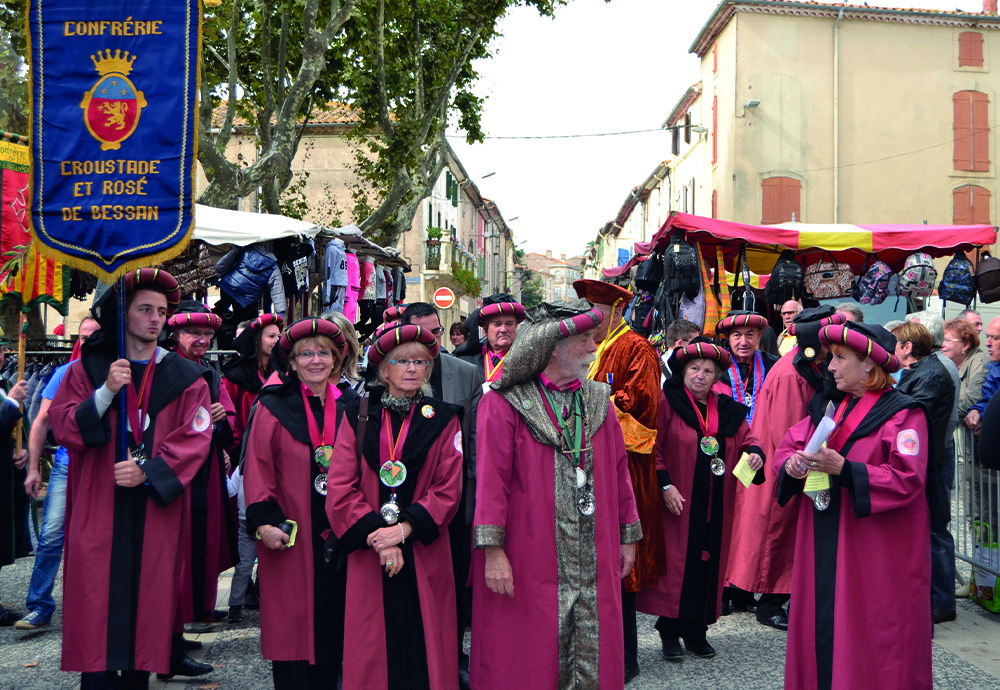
635,393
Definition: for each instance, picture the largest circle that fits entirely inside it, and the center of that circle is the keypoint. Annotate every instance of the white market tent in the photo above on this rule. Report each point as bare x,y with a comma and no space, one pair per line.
226,229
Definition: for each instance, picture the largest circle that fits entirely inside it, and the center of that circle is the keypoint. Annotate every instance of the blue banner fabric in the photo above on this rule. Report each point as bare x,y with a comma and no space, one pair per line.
114,94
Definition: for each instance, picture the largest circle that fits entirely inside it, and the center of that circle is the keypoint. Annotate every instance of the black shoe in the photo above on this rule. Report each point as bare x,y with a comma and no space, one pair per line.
778,621
672,650
198,627
727,608
699,647
8,617
190,645
236,613
943,616
184,666
216,616
631,672
251,602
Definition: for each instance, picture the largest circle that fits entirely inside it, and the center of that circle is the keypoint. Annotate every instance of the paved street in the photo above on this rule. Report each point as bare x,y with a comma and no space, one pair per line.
751,656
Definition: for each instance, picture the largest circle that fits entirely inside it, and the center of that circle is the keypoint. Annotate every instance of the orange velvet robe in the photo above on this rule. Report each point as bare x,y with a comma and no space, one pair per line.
634,370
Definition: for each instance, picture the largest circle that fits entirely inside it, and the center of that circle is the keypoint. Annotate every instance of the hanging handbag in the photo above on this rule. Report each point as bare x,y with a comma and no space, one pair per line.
828,279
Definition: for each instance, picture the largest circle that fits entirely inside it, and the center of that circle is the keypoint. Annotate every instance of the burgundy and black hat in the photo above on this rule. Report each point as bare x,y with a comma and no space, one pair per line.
868,340
265,320
501,309
393,314
158,279
394,336
822,316
700,350
308,328
740,319
600,292
194,319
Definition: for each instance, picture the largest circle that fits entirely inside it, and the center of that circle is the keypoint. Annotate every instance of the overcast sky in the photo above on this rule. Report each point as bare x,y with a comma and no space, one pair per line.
597,68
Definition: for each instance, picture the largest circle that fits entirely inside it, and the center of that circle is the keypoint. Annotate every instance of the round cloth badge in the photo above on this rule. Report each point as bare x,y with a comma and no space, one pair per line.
809,352
392,473
201,422
427,411
907,442
709,445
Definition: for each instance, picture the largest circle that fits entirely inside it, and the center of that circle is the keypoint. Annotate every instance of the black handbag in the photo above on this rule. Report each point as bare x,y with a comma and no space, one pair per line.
742,299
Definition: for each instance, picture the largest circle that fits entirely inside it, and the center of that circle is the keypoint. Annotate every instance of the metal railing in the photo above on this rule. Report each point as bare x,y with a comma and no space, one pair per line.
975,502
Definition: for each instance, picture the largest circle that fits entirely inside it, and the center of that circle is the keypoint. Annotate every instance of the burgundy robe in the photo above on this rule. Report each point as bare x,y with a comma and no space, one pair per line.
567,573
861,578
708,503
278,475
764,532
352,505
125,546
632,369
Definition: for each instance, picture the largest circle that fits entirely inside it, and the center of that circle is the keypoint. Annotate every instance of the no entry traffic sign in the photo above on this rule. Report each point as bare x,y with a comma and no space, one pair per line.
443,298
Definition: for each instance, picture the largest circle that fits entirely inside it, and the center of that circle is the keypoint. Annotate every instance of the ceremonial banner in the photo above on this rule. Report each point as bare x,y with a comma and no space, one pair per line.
114,134
24,275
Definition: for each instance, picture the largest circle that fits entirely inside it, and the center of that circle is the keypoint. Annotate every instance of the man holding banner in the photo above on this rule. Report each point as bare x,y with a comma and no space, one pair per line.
114,93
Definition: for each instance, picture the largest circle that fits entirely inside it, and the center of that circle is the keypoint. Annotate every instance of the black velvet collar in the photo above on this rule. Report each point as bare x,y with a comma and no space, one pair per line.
243,372
731,413
284,401
890,402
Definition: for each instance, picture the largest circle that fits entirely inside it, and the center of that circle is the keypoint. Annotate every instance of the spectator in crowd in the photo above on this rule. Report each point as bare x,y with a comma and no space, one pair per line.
556,522
701,435
961,346
871,540
680,332
992,381
347,376
926,380
499,317
290,451
458,334
48,552
852,311
245,376
393,492
973,317
786,341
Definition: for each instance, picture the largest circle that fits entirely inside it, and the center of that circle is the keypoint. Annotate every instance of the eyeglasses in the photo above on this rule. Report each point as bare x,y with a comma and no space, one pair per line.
405,363
438,331
952,340
309,354
200,334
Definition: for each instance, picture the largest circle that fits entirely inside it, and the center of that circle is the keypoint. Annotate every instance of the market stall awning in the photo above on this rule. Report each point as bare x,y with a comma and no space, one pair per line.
848,243
227,229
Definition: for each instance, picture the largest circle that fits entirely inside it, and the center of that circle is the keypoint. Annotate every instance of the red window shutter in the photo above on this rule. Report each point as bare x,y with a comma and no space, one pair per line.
962,127
715,129
970,49
715,203
791,191
715,58
980,131
961,202
771,201
980,205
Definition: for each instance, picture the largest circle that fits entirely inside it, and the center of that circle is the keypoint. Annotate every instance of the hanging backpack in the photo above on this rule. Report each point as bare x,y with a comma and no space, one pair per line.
681,272
958,282
649,274
918,276
785,282
873,285
988,278
743,298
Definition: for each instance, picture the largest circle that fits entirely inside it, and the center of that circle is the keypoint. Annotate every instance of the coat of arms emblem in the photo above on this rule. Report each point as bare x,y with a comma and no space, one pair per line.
112,107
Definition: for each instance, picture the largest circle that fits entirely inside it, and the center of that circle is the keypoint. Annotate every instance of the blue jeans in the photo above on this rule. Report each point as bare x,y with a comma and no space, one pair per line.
50,544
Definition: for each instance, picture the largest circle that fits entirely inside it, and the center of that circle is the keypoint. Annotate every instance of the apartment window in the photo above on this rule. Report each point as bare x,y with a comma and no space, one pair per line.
970,49
558,293
675,141
715,203
715,58
715,129
780,200
971,205
687,128
972,131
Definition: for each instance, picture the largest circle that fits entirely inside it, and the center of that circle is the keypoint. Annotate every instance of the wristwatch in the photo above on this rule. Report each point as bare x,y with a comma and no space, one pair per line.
668,486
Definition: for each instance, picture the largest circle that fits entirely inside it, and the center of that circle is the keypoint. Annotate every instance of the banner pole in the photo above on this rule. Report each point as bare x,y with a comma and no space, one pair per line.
122,394
22,339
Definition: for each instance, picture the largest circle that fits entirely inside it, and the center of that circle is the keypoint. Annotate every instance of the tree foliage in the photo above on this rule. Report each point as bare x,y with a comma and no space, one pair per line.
532,292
